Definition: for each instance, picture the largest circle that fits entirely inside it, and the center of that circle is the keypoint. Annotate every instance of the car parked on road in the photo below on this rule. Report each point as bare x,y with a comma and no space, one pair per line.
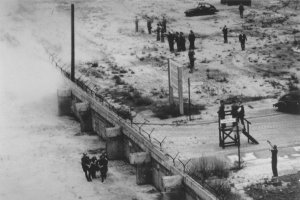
201,9
289,102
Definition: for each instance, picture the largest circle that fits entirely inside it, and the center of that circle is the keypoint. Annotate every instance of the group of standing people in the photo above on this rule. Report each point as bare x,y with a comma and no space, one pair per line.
91,165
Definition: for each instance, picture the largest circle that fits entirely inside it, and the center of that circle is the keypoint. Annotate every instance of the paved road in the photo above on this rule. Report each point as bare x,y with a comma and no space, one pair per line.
267,124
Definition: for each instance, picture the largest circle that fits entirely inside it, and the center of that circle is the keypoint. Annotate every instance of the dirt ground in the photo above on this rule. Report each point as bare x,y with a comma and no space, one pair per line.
108,47
287,190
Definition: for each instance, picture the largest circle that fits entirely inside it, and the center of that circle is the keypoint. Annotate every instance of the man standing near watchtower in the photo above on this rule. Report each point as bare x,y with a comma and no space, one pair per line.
274,152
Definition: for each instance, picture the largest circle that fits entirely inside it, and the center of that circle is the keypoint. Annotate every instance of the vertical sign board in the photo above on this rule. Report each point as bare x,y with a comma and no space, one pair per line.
175,83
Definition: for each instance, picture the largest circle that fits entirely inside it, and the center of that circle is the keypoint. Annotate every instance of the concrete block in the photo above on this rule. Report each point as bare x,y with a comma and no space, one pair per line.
82,107
115,148
139,158
64,98
112,132
172,182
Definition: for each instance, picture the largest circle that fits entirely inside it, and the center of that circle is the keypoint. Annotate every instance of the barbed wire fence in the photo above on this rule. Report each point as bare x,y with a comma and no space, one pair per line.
122,114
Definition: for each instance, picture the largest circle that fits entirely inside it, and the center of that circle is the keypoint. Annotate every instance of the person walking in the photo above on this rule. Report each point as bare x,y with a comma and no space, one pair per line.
149,25
103,164
225,31
136,24
241,9
192,38
158,30
170,38
274,152
85,163
191,55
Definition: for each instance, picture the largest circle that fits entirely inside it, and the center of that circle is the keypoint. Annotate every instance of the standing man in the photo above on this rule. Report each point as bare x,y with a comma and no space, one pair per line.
191,55
149,25
158,30
136,24
176,37
274,152
182,41
241,114
192,40
164,24
85,163
241,9
225,31
221,111
242,39
162,35
170,37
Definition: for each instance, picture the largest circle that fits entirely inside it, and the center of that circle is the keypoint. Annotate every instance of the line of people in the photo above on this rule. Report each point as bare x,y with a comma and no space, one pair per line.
91,165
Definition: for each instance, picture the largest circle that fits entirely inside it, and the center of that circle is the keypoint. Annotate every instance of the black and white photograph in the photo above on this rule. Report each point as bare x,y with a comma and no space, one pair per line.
149,99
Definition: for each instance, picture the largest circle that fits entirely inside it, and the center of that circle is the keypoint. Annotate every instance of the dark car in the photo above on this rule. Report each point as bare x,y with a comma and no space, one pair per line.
201,9
289,102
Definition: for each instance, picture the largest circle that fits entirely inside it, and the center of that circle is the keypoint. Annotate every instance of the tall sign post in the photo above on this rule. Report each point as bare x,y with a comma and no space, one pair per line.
175,83
72,45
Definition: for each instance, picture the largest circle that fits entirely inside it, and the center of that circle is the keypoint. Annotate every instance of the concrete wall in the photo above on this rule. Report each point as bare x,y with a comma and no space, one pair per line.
130,141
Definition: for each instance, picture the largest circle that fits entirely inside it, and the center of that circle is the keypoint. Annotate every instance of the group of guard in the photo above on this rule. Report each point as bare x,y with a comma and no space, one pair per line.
91,165
179,38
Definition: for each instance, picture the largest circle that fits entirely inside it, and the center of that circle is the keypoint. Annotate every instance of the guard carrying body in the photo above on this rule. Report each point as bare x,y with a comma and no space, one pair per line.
225,31
85,163
192,40
103,164
191,55
241,9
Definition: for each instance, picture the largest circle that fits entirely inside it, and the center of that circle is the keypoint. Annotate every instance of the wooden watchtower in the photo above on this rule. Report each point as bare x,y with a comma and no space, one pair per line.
230,129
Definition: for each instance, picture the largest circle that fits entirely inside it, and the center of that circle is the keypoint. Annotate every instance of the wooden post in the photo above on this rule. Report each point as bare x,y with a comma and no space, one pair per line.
72,45
180,92
171,97
189,85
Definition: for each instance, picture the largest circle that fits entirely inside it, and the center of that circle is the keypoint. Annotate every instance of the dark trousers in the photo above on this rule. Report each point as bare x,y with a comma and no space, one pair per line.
274,168
242,14
243,46
171,45
225,39
87,175
192,45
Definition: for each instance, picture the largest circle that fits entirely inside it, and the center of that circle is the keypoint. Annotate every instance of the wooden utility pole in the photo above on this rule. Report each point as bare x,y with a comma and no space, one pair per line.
72,45
189,83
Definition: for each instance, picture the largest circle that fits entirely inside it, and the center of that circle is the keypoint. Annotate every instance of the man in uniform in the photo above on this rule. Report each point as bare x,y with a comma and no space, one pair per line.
225,31
274,152
176,37
102,163
136,24
149,25
192,40
182,41
170,37
85,163
242,39
158,30
241,9
191,55
164,25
